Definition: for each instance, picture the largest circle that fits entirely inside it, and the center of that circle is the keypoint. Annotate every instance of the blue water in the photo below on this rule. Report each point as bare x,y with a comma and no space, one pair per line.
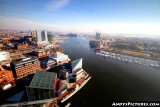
112,80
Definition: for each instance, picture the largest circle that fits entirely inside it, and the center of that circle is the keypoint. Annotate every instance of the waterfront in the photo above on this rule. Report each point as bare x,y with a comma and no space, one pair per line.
112,80
131,59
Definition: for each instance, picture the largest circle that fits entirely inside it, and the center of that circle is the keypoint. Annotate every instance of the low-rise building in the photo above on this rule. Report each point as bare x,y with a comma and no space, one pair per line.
4,56
97,44
6,79
24,67
44,85
60,57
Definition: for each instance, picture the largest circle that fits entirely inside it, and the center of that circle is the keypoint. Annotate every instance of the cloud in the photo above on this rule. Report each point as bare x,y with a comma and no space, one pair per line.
24,24
57,4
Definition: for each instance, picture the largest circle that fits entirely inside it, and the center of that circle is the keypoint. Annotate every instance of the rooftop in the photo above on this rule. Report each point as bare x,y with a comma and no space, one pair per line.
76,64
58,55
43,80
20,61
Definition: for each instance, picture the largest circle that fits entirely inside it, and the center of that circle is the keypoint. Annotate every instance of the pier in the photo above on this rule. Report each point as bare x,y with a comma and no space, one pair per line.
131,59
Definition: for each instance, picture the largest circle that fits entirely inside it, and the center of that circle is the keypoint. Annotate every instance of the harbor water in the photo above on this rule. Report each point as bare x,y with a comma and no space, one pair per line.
112,80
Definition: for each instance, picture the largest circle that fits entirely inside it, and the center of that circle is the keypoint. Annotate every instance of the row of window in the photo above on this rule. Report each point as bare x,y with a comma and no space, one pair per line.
24,69
22,47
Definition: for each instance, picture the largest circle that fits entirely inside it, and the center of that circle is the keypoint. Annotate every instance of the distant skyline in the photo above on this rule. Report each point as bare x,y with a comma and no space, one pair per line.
106,16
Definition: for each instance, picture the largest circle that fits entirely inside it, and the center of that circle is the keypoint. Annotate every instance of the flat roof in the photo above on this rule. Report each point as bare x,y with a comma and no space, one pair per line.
20,61
43,80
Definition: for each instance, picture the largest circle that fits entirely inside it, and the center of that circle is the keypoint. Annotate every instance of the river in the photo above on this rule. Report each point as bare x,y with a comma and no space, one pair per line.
112,80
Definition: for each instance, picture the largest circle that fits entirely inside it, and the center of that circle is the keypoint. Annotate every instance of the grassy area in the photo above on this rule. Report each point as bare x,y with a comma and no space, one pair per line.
140,47
156,56
128,47
136,49
127,52
137,54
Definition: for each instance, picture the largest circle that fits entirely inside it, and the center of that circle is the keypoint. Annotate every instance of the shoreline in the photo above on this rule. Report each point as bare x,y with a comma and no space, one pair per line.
150,58
130,59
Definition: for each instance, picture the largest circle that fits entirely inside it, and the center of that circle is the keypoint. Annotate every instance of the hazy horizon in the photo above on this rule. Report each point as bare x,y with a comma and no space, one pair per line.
106,16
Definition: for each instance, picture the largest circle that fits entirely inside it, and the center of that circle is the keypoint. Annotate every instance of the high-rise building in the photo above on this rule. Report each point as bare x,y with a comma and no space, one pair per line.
38,36
41,37
33,34
98,36
44,35
50,37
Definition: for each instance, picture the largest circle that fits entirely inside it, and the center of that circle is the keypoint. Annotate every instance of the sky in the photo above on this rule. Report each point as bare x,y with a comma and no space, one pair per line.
106,16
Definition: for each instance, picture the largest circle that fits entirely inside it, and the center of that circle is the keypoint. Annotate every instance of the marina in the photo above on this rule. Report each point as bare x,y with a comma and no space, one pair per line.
112,80
131,59
79,53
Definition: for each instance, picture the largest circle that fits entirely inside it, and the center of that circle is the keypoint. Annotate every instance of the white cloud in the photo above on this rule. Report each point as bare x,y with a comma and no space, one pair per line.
57,4
24,24
15,23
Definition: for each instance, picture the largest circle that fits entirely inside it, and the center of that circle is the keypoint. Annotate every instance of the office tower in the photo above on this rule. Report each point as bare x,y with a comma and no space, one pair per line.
41,37
44,35
38,36
33,34
98,36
